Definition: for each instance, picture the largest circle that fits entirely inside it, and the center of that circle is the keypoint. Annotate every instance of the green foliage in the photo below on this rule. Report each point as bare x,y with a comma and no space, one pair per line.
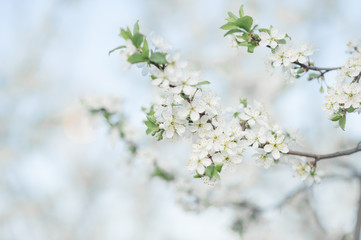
243,101
158,58
312,76
342,122
137,58
163,174
203,83
152,125
137,39
238,226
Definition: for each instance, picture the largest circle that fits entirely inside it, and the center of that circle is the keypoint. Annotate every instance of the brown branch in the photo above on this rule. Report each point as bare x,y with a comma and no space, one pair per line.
320,69
319,157
358,221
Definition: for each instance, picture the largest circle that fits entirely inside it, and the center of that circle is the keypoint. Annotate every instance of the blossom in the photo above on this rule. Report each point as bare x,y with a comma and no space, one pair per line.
201,126
198,163
270,39
263,159
192,109
159,43
126,52
283,56
305,171
275,146
187,83
173,126
302,52
175,62
255,139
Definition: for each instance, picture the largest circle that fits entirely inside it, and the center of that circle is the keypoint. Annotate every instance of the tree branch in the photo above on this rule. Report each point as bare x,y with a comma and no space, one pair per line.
320,69
319,157
358,221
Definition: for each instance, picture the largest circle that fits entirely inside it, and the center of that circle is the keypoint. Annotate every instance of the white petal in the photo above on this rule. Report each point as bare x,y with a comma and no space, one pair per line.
276,154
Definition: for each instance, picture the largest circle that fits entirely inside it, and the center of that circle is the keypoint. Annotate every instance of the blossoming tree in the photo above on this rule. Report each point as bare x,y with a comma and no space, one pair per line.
187,109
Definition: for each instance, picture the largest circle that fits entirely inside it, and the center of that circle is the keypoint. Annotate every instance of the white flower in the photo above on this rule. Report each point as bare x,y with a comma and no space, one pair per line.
199,164
192,109
255,139
353,66
187,83
270,39
211,101
203,147
226,158
126,52
174,62
303,51
201,126
161,78
159,43
276,146
173,126
263,159
283,56
305,171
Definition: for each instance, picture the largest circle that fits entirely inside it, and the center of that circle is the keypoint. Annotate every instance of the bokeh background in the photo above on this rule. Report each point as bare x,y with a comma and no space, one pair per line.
62,177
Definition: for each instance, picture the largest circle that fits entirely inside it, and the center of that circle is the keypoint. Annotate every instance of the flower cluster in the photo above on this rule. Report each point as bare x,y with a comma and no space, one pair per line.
187,110
306,171
345,97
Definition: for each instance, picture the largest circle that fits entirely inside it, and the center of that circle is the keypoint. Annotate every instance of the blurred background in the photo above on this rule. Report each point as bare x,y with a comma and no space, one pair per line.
63,177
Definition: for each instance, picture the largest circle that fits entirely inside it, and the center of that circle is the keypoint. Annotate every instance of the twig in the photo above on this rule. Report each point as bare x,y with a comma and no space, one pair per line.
319,157
358,221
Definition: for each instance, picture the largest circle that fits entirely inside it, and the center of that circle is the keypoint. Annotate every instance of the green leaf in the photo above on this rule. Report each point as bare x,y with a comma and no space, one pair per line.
243,101
210,171
117,48
126,34
159,172
137,39
336,117
342,122
233,31
264,30
241,12
219,167
251,49
137,58
282,41
158,58
216,175
136,27
197,176
244,22
145,49
203,83
229,26
312,76
232,16
350,109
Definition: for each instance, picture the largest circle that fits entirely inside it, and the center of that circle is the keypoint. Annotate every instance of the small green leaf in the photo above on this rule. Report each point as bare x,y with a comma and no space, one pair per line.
232,16
197,176
251,49
117,48
163,174
203,83
210,171
229,26
137,58
219,167
233,31
158,58
136,27
336,117
241,12
137,39
350,109
126,34
145,49
243,101
282,41
244,22
342,122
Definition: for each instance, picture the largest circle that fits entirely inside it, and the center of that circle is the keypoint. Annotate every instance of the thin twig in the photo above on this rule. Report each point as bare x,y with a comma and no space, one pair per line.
319,157
358,221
